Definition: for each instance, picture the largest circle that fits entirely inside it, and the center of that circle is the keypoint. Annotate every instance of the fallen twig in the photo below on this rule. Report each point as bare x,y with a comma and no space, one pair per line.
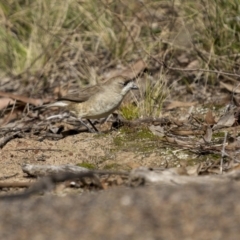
223,153
46,170
15,184
7,177
4,140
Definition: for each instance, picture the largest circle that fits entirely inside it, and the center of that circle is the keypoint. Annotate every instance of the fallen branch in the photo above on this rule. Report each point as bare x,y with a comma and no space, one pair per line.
46,170
170,177
4,140
48,183
15,184
9,176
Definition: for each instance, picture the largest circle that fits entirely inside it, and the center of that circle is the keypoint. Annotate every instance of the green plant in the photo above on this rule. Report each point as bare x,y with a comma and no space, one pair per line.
27,46
130,111
152,98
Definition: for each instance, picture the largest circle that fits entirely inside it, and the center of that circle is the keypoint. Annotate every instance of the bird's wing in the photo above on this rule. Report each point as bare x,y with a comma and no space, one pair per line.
83,95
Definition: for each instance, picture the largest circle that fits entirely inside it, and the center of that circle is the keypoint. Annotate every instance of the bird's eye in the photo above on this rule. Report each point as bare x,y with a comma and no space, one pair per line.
126,83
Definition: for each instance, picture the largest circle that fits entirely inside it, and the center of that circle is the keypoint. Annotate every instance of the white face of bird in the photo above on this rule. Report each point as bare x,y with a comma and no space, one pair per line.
127,86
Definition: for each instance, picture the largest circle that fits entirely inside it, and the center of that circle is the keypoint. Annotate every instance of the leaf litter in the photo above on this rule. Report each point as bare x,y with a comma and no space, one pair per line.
191,135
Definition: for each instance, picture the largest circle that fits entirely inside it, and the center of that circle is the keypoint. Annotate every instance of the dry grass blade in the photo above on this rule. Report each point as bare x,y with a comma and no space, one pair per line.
177,104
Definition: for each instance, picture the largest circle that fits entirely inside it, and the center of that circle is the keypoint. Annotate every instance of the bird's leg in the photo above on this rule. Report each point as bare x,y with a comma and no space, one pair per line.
89,129
96,130
105,119
84,124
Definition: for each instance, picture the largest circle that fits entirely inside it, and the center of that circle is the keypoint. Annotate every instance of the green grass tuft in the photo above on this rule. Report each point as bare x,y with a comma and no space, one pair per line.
86,165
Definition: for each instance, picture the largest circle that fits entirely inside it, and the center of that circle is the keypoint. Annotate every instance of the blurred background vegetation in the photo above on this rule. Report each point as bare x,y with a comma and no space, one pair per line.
73,40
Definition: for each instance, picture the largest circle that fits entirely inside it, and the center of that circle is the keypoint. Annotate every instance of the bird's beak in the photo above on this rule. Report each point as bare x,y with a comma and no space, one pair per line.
134,87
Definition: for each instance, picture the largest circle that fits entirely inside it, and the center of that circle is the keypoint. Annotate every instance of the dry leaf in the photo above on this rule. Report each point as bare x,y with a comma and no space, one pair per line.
236,167
134,69
233,146
230,87
186,132
131,71
209,119
193,65
208,135
157,130
183,58
194,170
4,102
227,120
33,101
175,104
15,114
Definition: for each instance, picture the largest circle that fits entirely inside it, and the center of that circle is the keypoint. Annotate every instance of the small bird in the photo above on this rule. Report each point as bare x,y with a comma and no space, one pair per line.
97,101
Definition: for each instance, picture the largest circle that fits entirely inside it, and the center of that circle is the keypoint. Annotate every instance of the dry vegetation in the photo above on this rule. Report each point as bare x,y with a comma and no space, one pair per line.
180,131
45,41
182,54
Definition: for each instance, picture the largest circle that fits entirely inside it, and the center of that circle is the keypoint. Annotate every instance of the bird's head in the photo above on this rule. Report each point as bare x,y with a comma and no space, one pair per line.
122,85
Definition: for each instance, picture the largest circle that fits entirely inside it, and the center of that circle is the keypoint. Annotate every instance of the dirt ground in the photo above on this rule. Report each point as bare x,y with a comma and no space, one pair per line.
192,211
188,77
96,150
161,211
108,151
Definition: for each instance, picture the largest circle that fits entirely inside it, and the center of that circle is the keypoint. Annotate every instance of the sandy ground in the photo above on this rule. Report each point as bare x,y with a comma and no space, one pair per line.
98,150
149,212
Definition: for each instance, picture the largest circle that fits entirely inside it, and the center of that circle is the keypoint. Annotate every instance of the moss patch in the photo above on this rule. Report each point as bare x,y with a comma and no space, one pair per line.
86,165
137,140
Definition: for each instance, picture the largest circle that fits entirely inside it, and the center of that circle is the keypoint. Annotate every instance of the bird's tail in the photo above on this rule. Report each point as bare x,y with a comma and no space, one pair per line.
56,104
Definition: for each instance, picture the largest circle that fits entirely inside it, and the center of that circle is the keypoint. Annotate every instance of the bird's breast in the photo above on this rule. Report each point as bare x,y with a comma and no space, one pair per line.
100,106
